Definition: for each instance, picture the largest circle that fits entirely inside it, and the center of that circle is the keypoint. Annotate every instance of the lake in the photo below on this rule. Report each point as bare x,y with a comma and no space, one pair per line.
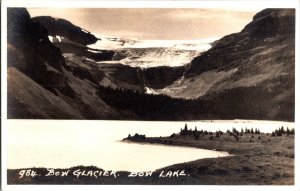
64,144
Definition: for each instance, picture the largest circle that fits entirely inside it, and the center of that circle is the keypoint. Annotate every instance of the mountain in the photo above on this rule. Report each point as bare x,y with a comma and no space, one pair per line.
40,83
54,65
121,63
260,58
62,27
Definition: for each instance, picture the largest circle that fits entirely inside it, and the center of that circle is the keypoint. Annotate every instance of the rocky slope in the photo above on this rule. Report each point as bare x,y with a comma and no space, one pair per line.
40,83
62,27
110,67
263,50
260,58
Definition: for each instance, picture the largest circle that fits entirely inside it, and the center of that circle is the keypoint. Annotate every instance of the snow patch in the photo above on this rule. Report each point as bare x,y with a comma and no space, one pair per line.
94,51
117,43
107,83
50,38
153,53
89,59
151,91
160,57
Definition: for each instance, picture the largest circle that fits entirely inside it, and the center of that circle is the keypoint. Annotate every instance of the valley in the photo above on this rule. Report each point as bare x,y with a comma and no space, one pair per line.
245,75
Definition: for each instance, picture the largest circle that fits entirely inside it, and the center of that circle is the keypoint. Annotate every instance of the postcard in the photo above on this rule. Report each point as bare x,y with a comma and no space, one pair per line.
149,93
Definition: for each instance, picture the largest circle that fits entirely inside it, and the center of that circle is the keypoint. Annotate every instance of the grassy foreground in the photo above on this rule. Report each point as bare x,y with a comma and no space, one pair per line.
256,159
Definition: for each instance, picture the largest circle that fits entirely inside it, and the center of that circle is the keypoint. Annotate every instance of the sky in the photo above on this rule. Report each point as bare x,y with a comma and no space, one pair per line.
154,23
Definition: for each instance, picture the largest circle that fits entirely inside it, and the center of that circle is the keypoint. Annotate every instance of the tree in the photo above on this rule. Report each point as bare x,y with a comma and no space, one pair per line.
185,127
242,132
288,132
196,129
234,131
273,134
221,132
293,131
279,132
236,137
247,130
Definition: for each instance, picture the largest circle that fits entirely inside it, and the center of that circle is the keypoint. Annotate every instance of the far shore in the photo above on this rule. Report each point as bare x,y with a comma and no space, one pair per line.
255,157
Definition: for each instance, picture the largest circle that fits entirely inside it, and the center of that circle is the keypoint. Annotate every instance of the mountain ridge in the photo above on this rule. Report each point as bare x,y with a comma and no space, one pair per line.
249,74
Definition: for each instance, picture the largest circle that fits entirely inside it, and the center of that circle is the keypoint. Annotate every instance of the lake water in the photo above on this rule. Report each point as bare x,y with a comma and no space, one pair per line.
64,144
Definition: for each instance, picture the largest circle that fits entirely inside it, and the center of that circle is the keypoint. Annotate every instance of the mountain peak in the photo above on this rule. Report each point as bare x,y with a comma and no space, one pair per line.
62,27
271,22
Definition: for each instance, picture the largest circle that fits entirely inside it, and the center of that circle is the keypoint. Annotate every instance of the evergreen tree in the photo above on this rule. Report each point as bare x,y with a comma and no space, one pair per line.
273,134
293,131
242,132
185,127
288,132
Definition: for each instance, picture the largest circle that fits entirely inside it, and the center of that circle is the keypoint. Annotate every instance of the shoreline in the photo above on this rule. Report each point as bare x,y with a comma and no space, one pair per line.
269,156
255,159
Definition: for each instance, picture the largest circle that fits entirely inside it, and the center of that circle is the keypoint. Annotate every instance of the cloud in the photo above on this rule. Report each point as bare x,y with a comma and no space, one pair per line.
150,23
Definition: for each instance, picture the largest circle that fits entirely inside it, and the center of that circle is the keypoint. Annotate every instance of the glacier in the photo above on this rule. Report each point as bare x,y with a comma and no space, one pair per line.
153,53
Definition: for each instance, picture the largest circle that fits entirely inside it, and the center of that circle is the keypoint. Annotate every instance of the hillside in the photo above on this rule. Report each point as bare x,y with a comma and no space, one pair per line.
48,88
260,58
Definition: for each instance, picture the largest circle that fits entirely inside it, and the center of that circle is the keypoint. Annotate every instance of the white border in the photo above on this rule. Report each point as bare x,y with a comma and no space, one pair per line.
3,96
297,104
151,4
139,4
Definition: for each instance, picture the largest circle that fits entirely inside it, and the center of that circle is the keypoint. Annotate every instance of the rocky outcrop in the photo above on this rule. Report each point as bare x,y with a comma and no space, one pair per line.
29,100
62,27
40,83
271,22
31,52
72,39
268,28
262,58
162,76
97,55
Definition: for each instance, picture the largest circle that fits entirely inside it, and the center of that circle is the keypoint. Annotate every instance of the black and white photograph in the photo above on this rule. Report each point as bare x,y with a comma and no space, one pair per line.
149,95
